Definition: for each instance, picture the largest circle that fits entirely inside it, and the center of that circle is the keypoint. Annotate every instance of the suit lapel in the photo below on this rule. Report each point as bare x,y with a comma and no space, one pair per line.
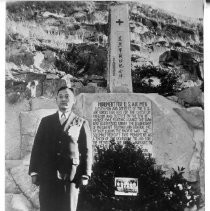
69,121
56,122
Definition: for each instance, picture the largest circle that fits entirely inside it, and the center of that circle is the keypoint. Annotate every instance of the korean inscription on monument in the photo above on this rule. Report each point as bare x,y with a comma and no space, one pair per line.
123,121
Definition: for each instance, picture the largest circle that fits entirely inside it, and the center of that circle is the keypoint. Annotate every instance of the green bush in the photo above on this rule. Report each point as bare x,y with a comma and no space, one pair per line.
156,192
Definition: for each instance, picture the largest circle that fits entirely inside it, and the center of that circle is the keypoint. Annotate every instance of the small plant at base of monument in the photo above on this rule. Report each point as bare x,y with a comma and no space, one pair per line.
156,192
180,193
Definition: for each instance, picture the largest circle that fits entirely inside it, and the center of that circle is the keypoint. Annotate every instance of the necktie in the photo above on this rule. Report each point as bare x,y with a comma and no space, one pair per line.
63,118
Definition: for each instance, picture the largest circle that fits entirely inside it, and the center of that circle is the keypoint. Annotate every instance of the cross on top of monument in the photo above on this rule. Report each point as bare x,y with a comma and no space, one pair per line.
119,22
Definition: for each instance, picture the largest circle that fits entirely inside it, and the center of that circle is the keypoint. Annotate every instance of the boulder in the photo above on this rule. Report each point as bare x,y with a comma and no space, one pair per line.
22,58
172,144
194,117
29,121
26,145
23,180
192,96
12,129
20,203
17,202
10,186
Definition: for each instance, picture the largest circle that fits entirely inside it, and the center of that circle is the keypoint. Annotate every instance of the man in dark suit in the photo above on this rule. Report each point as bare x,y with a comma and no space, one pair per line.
61,157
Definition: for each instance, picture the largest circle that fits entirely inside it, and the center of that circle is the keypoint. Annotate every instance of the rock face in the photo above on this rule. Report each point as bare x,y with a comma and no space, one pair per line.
76,41
20,175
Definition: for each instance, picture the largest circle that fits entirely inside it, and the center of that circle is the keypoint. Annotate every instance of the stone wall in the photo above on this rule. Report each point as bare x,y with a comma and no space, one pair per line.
12,129
22,120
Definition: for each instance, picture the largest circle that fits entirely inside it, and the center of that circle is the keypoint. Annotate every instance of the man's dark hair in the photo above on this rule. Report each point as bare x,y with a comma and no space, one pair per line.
65,87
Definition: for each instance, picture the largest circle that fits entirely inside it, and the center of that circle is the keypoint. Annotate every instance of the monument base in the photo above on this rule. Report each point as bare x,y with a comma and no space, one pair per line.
147,119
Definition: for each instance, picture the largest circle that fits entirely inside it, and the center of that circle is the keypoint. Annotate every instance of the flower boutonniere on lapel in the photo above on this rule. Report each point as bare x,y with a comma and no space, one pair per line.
74,128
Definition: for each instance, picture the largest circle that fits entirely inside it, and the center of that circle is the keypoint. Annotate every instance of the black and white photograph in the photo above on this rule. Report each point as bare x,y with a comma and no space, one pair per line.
126,186
104,105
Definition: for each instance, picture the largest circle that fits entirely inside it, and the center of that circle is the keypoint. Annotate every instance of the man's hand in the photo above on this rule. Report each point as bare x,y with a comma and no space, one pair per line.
84,180
35,180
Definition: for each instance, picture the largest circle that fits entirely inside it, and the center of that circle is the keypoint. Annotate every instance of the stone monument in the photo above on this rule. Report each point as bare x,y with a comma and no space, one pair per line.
121,119
119,73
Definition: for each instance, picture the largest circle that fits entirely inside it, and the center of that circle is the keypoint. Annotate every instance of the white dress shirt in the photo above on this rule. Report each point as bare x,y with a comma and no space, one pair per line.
61,113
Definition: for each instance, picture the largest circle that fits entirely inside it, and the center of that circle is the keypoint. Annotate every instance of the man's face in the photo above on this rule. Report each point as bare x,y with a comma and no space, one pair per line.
65,100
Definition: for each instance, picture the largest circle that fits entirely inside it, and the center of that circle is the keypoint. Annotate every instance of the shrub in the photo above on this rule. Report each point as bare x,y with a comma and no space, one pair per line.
169,80
156,192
